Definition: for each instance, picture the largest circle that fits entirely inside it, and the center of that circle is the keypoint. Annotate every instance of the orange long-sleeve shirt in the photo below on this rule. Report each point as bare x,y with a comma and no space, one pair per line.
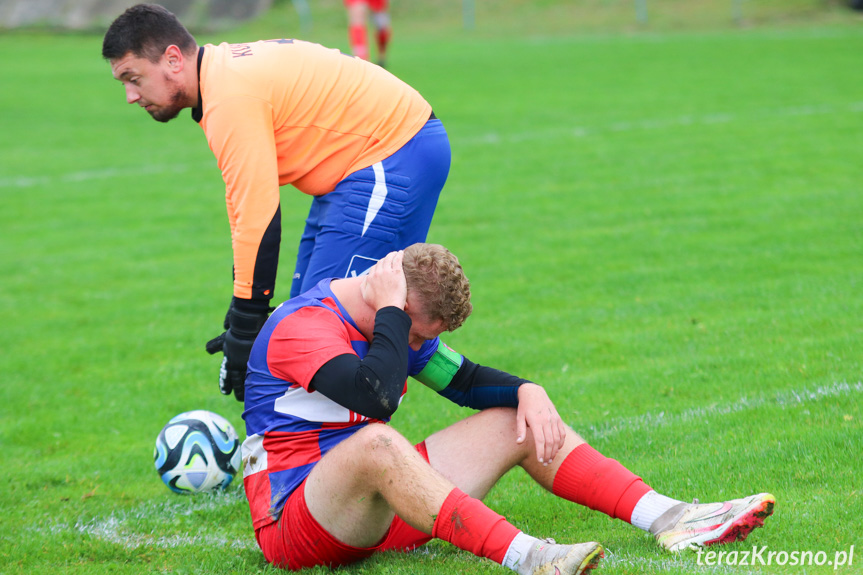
280,112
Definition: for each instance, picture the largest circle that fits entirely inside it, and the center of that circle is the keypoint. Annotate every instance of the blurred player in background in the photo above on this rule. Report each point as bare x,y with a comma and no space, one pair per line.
358,14
363,143
330,482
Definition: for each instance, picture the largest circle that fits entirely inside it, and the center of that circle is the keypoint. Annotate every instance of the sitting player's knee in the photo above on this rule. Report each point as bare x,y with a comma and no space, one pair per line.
378,439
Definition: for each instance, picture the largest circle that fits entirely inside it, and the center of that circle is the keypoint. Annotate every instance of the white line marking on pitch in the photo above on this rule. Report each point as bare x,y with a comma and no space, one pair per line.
783,399
100,174
491,138
685,562
647,124
119,529
112,530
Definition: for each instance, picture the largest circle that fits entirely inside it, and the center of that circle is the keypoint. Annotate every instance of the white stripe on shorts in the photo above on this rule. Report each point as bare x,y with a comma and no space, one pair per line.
379,194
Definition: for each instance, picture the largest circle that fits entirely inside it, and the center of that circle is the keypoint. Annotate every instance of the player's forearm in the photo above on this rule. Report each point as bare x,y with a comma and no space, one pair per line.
479,387
256,255
469,384
240,133
371,386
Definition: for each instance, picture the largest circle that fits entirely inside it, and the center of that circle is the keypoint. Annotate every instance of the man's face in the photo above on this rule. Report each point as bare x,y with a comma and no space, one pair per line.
422,329
150,85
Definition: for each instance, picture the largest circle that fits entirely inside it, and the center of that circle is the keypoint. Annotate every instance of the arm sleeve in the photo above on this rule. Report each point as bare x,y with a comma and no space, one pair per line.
371,386
240,134
469,384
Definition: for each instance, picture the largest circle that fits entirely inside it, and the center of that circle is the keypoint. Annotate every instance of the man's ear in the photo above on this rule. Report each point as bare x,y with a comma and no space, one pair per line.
173,57
408,298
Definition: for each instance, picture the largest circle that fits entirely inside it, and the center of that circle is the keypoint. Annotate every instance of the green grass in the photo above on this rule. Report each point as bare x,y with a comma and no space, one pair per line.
662,226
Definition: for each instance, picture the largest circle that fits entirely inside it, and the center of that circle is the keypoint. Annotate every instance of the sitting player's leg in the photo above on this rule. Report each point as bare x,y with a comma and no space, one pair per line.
355,489
356,486
474,454
585,476
582,475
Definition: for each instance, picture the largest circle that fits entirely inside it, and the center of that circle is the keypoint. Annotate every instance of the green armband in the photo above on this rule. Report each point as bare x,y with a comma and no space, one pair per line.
441,368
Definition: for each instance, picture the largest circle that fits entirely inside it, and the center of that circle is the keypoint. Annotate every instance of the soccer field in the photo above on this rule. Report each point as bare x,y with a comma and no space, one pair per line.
662,227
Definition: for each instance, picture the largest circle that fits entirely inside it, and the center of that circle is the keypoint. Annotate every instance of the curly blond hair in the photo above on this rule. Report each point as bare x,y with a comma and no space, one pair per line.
434,274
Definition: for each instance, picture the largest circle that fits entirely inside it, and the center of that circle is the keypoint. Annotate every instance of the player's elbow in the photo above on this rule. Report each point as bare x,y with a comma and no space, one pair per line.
383,399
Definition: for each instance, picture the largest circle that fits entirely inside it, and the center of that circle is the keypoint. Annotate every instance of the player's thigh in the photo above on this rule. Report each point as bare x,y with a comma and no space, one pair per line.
476,452
340,491
379,209
420,168
298,541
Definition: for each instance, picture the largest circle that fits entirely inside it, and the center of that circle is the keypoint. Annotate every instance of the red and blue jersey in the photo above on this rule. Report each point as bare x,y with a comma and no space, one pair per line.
288,426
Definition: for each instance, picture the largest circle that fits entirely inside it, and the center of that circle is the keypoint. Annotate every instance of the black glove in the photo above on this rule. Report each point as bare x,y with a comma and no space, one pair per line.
244,320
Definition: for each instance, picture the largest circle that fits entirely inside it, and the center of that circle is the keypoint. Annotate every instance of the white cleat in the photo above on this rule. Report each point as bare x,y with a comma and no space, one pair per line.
698,524
549,558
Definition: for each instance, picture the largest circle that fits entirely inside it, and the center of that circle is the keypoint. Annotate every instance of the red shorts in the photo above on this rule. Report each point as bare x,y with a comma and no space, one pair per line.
297,540
374,5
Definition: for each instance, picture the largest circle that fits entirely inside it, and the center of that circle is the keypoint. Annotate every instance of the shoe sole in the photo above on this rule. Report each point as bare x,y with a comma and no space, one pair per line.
741,526
564,566
591,561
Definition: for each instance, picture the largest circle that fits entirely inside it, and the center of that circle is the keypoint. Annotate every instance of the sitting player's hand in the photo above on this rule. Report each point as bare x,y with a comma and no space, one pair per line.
536,411
385,285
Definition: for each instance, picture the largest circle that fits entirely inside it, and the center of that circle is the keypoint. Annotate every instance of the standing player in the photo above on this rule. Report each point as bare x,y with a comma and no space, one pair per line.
358,14
329,482
364,144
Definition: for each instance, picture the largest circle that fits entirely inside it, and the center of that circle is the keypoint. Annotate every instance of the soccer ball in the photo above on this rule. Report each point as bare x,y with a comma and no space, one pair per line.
197,451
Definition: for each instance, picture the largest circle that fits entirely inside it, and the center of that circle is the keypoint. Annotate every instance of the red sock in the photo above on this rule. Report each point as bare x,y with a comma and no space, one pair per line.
357,37
589,478
468,524
383,39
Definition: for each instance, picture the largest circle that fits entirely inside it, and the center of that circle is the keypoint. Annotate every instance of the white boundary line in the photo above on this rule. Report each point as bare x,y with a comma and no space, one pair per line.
113,529
488,139
643,125
629,563
827,32
782,399
102,174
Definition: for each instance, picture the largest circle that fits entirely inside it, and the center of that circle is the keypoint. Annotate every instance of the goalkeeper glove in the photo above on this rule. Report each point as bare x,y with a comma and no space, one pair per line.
244,320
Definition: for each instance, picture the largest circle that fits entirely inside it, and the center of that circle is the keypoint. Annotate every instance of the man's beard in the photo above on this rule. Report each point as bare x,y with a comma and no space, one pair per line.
170,111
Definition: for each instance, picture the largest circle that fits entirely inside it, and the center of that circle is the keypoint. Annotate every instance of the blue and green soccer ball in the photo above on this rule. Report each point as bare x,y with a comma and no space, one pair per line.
197,451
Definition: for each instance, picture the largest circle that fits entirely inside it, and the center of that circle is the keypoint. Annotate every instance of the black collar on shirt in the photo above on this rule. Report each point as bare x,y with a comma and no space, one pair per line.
198,113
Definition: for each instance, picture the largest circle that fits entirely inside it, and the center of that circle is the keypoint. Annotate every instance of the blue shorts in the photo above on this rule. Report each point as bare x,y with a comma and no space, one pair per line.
374,211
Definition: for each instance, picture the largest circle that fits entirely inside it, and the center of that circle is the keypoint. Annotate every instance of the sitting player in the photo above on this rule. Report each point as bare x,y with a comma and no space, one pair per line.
329,482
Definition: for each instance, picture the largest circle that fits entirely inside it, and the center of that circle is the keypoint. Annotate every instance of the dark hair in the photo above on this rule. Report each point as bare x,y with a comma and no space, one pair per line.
146,30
